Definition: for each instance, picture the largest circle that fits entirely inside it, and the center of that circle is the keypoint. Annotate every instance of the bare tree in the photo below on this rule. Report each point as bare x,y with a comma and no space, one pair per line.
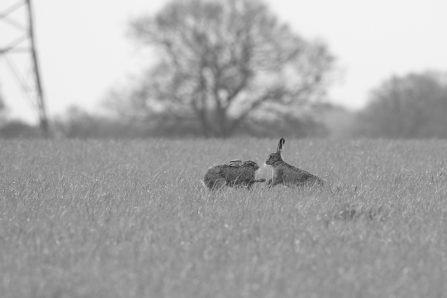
410,106
224,61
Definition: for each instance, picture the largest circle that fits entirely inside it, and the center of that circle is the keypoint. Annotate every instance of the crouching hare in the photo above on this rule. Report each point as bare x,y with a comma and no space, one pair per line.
286,174
234,174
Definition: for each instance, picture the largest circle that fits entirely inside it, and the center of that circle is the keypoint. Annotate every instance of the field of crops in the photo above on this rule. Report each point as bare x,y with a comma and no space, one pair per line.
132,219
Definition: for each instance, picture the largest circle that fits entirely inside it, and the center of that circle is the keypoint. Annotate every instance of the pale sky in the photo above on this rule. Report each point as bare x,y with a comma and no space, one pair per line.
84,50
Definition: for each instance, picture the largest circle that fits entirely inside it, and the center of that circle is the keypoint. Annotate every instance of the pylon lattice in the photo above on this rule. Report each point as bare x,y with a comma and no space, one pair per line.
21,40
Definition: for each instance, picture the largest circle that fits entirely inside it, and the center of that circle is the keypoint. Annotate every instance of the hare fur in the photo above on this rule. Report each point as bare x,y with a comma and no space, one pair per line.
286,174
235,174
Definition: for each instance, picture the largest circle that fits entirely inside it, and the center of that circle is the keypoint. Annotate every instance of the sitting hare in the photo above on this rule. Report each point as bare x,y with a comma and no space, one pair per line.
234,174
286,174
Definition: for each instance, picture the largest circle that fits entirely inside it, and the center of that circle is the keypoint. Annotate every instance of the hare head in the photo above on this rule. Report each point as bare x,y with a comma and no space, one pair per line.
250,163
276,156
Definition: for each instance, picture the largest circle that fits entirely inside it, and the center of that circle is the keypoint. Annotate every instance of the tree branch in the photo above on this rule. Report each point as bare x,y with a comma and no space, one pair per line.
269,95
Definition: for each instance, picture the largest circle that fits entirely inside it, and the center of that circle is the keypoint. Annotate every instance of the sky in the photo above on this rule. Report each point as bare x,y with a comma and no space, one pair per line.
85,51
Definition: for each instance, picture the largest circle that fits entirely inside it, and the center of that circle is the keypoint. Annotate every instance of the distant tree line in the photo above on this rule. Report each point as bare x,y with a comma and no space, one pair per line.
409,106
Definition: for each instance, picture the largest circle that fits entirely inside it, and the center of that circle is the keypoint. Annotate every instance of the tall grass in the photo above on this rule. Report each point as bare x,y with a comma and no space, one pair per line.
132,219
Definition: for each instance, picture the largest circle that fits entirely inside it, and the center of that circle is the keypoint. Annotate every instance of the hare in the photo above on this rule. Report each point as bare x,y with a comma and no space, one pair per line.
286,174
234,174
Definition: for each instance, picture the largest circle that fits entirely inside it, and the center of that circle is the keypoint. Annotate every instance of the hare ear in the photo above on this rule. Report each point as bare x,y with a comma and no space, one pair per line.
280,144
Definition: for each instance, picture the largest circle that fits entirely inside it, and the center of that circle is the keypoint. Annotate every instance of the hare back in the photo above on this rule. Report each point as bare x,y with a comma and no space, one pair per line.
230,175
235,174
290,175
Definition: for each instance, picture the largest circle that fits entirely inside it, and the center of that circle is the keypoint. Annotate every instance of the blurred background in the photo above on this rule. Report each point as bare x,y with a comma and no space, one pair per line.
223,68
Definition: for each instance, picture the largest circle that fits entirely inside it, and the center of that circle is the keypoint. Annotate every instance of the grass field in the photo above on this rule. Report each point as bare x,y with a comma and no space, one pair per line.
131,219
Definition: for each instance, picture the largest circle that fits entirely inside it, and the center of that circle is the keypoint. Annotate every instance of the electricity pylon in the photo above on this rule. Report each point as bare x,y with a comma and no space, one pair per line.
24,42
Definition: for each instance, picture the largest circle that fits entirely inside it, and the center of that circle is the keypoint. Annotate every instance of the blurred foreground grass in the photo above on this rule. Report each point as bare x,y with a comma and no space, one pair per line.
131,219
